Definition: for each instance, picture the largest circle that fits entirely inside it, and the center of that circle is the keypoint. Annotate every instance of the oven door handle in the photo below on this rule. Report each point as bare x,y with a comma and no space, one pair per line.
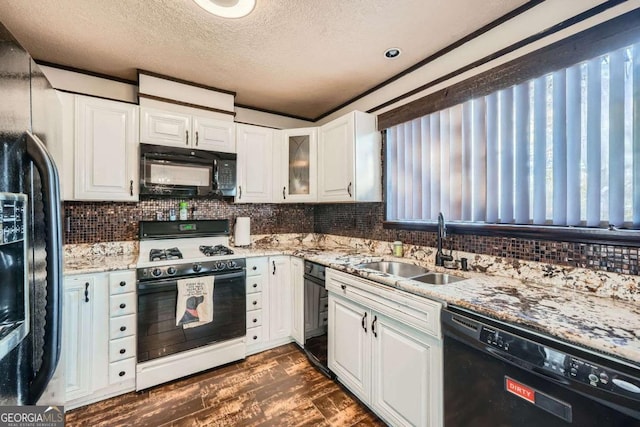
168,284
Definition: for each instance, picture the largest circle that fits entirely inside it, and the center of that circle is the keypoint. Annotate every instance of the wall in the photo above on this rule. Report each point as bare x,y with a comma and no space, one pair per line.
93,222
364,220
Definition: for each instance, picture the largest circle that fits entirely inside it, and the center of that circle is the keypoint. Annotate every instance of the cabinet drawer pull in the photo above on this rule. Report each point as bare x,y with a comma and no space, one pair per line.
123,283
86,292
123,305
186,132
121,373
123,351
255,285
123,328
349,189
373,326
344,287
364,322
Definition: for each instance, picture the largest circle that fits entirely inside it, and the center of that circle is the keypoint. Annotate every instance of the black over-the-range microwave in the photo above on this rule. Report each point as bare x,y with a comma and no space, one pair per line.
185,172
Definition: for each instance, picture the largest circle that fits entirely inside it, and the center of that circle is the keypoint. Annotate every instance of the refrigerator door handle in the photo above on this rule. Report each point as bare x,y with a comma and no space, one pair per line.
53,319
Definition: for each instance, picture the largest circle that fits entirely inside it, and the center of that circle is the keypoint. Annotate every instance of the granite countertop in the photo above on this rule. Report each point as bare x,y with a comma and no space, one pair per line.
600,311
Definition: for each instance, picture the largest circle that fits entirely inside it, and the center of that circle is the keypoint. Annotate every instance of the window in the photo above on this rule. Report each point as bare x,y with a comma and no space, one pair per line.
562,149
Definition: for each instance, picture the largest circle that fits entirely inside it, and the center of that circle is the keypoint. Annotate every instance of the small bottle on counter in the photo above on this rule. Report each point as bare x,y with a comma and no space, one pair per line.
183,211
398,249
172,214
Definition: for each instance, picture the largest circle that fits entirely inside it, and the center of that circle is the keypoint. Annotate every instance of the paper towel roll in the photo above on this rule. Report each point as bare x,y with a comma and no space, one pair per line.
242,235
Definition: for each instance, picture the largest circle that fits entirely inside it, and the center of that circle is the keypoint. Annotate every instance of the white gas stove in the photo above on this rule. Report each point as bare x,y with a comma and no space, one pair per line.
175,252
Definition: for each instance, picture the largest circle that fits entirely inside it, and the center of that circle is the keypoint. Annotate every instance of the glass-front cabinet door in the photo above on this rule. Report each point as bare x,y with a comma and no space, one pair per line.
299,166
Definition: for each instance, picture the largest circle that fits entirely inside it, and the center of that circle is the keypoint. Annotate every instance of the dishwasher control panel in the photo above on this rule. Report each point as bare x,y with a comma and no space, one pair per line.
533,354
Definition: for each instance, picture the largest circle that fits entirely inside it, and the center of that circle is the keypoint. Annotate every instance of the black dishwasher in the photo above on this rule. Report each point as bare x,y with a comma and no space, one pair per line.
316,307
496,374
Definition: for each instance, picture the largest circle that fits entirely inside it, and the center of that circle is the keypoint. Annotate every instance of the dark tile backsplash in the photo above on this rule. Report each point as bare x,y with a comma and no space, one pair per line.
92,222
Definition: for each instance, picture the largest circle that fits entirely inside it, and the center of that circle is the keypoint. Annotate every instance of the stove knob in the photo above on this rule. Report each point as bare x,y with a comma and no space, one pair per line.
197,267
171,270
220,265
231,264
156,272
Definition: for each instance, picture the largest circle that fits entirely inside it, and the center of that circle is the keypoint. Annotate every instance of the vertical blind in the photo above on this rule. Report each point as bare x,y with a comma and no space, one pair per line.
560,149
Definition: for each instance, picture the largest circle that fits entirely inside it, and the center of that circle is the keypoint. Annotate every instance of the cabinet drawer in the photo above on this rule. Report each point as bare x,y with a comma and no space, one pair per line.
256,266
254,336
254,284
122,370
122,348
119,305
254,301
122,282
254,318
123,326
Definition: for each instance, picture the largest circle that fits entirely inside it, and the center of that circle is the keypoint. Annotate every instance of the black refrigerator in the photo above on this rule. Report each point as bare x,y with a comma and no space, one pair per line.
30,235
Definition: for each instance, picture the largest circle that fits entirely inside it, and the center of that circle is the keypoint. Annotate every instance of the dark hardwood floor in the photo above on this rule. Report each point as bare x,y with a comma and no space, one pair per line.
278,387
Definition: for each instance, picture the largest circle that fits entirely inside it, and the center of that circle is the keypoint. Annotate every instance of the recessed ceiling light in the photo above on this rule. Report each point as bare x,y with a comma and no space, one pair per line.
392,52
227,8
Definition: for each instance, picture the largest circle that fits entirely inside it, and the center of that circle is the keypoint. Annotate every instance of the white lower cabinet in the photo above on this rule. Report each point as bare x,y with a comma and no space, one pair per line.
269,302
297,283
99,341
386,348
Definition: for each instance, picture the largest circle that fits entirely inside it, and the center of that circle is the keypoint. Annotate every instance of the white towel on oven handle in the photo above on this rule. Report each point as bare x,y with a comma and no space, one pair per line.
194,306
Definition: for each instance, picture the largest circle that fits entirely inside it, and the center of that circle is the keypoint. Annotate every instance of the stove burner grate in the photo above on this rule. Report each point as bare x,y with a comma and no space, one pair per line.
215,250
162,254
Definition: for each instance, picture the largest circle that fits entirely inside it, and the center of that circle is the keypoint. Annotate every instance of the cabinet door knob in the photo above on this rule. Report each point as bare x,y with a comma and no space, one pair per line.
255,320
255,337
123,351
86,292
364,322
123,328
255,267
255,285
255,303
121,373
123,305
373,326
123,283
344,287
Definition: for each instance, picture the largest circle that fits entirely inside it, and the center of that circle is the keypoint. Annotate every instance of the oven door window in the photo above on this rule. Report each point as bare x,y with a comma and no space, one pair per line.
158,335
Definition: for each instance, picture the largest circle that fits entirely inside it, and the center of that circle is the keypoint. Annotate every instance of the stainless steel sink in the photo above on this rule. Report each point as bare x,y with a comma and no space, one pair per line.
400,269
437,278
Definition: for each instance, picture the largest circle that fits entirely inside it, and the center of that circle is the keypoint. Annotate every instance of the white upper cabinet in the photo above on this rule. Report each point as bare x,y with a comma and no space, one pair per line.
106,151
297,166
349,160
176,129
255,164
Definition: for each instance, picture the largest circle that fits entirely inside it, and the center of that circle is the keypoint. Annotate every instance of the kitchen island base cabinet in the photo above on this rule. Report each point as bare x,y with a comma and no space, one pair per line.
98,338
392,367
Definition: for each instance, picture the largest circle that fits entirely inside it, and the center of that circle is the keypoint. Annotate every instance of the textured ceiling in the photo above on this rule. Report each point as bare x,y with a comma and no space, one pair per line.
298,57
